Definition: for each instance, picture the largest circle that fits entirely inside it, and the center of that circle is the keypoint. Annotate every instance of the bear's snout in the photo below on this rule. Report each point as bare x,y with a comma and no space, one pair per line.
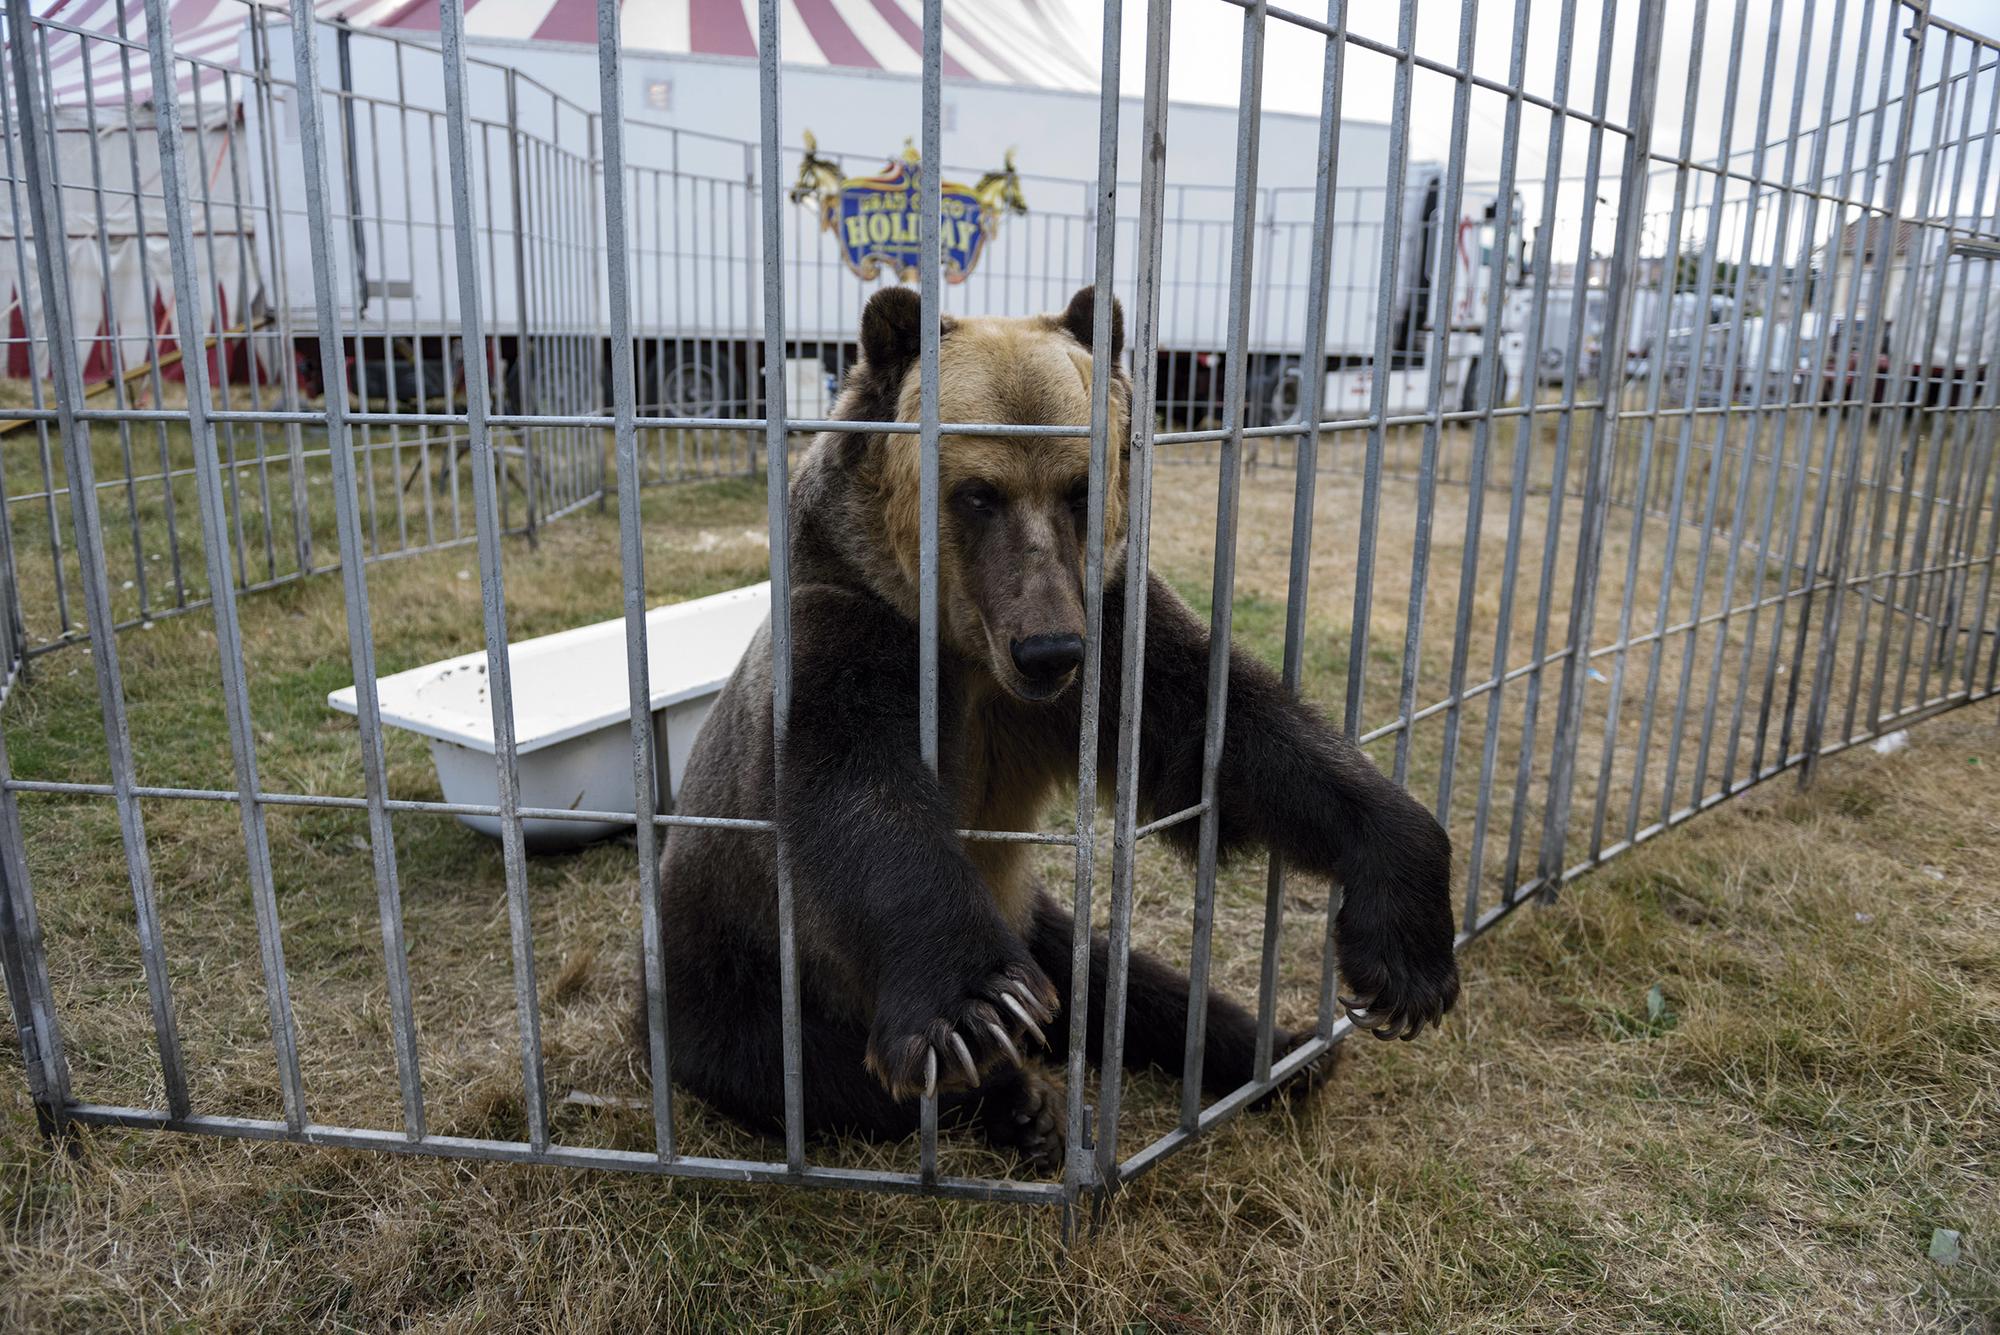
1046,661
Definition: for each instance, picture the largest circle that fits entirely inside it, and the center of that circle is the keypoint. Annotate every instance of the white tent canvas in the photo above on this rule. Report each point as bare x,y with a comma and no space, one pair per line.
120,269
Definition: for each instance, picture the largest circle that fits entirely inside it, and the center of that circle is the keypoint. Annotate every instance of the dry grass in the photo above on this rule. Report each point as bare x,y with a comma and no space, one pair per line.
1770,1145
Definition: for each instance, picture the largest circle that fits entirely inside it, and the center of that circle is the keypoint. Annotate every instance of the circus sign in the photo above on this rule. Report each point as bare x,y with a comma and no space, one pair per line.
875,220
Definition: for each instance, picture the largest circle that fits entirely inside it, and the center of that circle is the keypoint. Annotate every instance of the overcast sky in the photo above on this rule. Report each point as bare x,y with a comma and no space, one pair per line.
1207,38
1207,46
1206,51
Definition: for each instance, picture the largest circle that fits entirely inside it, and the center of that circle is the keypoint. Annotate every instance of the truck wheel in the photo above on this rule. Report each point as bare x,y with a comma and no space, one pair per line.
1468,394
1274,393
521,382
694,380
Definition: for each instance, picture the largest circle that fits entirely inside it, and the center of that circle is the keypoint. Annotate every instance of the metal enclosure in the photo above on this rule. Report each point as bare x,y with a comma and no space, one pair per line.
1738,514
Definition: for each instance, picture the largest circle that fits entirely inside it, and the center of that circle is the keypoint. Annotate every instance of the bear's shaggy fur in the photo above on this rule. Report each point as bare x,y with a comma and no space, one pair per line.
923,956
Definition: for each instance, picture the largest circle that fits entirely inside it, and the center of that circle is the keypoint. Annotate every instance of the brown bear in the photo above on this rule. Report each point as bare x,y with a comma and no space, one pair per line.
926,957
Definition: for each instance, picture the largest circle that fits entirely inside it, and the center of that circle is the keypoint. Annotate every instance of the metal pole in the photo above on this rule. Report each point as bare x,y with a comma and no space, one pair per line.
1442,289
1648,432
1138,522
1610,384
1250,93
274,215
228,631
1103,363
53,266
1524,428
1475,491
931,294
518,372
114,341
777,494
1393,190
353,574
1312,406
24,968
632,557
773,254
343,40
1830,631
492,587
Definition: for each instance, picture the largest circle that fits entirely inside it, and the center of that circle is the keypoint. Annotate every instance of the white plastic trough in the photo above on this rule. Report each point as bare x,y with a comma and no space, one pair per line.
571,712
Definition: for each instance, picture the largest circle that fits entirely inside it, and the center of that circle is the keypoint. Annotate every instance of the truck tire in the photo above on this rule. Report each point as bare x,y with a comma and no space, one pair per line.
1273,393
1468,394
690,379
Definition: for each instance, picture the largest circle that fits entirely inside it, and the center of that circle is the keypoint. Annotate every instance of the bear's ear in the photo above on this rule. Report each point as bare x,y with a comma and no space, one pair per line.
892,331
1080,316
891,325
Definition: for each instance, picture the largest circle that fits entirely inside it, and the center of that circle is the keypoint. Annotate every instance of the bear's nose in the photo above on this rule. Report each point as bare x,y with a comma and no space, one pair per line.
1044,658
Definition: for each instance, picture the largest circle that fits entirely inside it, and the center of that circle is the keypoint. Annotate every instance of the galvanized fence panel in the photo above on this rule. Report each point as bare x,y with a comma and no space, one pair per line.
400,352
1668,449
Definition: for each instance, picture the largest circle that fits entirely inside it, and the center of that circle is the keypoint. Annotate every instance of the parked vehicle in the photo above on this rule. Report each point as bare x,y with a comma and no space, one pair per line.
402,374
1861,376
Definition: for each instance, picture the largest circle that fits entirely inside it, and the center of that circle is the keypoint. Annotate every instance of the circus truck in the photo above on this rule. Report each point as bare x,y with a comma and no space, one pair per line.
1019,116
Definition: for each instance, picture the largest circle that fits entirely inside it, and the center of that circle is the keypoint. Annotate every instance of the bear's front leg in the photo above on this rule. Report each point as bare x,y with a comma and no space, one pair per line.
1293,783
887,898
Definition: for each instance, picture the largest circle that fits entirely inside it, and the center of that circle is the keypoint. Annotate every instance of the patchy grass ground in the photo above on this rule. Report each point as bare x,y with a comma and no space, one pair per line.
1769,1142
1772,1150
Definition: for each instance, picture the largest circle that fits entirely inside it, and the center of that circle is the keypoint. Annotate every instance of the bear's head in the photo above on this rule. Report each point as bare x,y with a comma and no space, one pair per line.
1013,512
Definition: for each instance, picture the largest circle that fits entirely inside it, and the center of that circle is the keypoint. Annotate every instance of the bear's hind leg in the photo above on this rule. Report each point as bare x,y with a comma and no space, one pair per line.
728,1049
1019,1108
1156,1009
728,1043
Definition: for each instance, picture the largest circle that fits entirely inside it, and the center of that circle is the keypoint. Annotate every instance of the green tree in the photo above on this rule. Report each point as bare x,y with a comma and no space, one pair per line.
1687,273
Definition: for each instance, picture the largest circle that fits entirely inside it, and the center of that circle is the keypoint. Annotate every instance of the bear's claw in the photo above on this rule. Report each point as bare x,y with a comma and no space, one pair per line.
964,1058
926,1043
1028,1024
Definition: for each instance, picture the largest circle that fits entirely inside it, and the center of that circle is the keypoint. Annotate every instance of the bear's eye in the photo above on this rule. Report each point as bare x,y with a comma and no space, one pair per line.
979,498
1079,497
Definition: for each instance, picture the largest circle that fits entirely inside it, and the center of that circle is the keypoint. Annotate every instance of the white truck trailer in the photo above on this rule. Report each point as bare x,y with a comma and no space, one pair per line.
691,131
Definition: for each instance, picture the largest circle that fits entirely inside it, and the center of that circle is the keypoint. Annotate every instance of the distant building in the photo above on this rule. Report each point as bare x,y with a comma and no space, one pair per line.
1853,254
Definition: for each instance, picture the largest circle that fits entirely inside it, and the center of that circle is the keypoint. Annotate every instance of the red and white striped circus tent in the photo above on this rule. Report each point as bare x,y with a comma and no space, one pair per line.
1033,42
106,157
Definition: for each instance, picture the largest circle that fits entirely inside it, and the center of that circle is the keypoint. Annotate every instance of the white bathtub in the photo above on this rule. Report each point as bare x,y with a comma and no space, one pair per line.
571,712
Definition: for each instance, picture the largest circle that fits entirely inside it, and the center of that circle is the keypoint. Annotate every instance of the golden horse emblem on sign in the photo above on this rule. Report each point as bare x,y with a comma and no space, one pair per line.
876,219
